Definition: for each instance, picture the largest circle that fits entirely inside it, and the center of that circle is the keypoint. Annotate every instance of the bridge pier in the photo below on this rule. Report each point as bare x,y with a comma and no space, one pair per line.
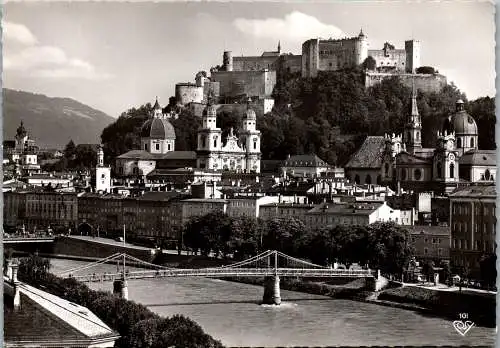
120,288
272,290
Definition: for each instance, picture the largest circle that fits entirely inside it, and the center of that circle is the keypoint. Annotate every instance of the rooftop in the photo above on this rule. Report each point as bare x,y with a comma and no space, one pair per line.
369,154
479,158
486,191
310,160
48,320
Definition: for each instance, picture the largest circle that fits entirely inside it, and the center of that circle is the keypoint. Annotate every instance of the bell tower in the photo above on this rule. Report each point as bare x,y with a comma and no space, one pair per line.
250,138
413,128
209,139
102,173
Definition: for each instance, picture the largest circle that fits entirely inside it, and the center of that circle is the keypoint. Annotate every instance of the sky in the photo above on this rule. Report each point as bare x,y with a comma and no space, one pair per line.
117,55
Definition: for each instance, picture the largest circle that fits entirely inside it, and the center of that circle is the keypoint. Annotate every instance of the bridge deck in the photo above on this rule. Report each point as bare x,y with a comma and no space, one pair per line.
228,272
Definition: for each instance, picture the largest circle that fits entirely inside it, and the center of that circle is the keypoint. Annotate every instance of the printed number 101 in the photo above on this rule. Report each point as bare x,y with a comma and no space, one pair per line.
464,316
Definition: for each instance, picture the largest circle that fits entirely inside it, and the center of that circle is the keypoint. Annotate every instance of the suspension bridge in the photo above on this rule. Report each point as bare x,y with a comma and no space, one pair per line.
270,264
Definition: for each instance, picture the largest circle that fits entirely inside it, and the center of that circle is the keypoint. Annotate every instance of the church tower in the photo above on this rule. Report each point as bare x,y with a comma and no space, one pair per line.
413,128
102,173
445,166
209,139
250,138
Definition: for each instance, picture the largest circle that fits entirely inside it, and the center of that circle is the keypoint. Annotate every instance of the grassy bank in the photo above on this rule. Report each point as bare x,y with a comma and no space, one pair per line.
355,289
479,307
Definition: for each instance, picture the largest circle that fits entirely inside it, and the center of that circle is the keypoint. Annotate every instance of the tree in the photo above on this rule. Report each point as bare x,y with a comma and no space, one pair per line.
69,150
369,64
34,268
488,270
425,70
428,270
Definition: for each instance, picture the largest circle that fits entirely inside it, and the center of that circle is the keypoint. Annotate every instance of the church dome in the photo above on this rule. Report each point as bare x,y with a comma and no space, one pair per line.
158,128
460,122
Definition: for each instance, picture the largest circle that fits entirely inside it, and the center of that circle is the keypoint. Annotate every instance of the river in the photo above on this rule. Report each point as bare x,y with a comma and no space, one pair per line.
230,312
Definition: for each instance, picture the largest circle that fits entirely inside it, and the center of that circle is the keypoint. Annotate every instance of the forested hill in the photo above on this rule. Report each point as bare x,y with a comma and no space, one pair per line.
329,115
52,122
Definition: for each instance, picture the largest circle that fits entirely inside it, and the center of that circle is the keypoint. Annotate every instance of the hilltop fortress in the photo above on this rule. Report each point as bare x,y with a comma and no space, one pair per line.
242,77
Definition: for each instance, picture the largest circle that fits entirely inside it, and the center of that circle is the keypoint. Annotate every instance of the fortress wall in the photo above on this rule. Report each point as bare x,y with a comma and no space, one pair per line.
395,58
254,63
425,82
291,63
335,55
250,83
188,93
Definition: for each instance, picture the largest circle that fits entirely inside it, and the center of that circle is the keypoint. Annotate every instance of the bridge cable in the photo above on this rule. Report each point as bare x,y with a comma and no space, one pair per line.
92,264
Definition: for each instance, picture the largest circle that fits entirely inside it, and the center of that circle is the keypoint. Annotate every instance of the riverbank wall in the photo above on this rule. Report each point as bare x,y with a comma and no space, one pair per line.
479,308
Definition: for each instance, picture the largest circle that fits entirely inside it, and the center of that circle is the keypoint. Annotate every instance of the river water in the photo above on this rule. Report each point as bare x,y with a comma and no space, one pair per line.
230,312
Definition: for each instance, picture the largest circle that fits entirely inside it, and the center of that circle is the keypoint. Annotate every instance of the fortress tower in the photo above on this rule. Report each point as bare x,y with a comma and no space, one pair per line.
361,48
227,61
412,48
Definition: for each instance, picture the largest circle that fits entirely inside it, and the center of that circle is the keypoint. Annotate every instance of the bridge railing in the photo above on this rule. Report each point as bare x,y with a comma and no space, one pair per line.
226,272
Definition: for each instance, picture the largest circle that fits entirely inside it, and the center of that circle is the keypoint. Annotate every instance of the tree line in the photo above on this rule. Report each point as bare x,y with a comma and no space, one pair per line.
384,246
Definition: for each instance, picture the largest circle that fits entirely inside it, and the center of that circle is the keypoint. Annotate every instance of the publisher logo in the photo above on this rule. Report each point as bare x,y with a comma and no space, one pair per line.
463,326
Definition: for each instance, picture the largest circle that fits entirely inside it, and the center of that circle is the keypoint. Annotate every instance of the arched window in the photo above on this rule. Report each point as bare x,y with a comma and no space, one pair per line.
387,169
215,141
459,143
418,136
439,170
417,174
368,180
379,180
452,170
471,142
356,179
394,174
203,141
403,174
168,147
487,174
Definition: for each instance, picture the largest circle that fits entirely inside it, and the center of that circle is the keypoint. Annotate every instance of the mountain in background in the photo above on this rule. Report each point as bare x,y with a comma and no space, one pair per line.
52,122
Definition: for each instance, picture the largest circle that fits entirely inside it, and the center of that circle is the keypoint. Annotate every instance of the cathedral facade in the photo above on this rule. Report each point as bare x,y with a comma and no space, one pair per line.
238,154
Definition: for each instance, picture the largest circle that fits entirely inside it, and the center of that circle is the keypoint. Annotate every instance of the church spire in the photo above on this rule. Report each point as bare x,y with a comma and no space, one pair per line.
414,106
279,46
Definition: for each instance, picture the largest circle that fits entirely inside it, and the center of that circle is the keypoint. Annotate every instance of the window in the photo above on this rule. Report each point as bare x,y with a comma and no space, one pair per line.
452,170
203,141
403,174
459,142
168,147
487,174
440,251
426,240
439,170
426,251
386,169
215,141
146,147
417,174
472,142
157,147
